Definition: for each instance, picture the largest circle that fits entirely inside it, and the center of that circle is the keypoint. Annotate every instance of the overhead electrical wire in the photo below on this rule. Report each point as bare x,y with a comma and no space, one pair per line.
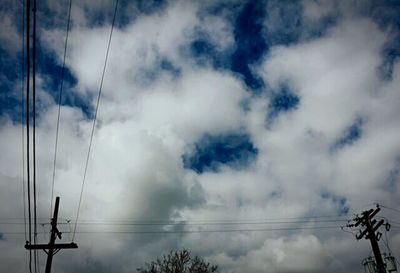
22,117
393,209
339,217
210,231
34,134
182,223
194,231
28,8
28,174
94,119
202,224
22,122
321,218
343,228
281,224
386,241
59,109
304,218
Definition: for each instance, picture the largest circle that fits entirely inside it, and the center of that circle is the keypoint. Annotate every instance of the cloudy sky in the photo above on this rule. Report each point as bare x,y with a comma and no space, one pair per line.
245,131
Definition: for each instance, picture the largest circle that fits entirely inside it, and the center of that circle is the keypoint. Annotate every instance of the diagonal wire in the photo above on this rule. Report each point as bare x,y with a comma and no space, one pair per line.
94,119
22,127
59,108
393,209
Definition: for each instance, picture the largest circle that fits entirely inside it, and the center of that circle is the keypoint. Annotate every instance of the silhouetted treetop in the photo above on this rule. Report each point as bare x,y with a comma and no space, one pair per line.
178,262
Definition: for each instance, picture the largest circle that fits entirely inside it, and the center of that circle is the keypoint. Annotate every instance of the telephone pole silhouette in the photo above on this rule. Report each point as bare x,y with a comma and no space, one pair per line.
52,248
368,231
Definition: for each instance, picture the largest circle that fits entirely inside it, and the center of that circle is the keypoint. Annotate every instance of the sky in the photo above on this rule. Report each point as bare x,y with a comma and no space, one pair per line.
247,132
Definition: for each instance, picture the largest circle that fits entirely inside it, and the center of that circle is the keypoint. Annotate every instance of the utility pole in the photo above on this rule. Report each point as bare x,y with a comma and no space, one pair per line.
52,248
370,226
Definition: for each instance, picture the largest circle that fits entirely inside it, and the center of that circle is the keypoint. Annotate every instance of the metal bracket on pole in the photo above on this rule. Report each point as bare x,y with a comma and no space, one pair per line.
52,248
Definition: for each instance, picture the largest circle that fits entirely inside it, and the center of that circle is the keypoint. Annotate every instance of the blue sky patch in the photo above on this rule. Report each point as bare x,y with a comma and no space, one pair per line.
162,66
320,29
390,55
253,38
250,43
130,10
205,53
386,15
283,101
48,66
393,178
234,150
168,66
10,75
339,202
287,23
51,72
350,135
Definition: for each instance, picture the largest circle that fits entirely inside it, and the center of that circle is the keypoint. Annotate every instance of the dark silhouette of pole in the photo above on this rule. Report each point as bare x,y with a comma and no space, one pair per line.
52,248
54,233
371,226
374,244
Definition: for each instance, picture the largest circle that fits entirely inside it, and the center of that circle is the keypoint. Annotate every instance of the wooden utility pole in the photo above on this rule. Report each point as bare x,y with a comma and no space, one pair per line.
371,226
52,248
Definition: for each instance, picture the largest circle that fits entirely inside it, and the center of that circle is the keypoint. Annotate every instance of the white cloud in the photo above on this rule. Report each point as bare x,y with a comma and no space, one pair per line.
337,81
146,125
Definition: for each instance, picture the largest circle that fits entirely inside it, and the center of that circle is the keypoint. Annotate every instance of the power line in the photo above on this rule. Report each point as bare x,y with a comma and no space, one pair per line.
208,231
22,115
304,218
211,231
59,108
27,126
192,231
343,228
94,119
20,218
27,111
22,122
206,223
113,220
393,209
34,132
182,223
386,241
316,219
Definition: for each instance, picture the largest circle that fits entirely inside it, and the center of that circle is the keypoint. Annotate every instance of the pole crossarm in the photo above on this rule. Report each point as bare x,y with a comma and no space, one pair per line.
52,248
48,246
